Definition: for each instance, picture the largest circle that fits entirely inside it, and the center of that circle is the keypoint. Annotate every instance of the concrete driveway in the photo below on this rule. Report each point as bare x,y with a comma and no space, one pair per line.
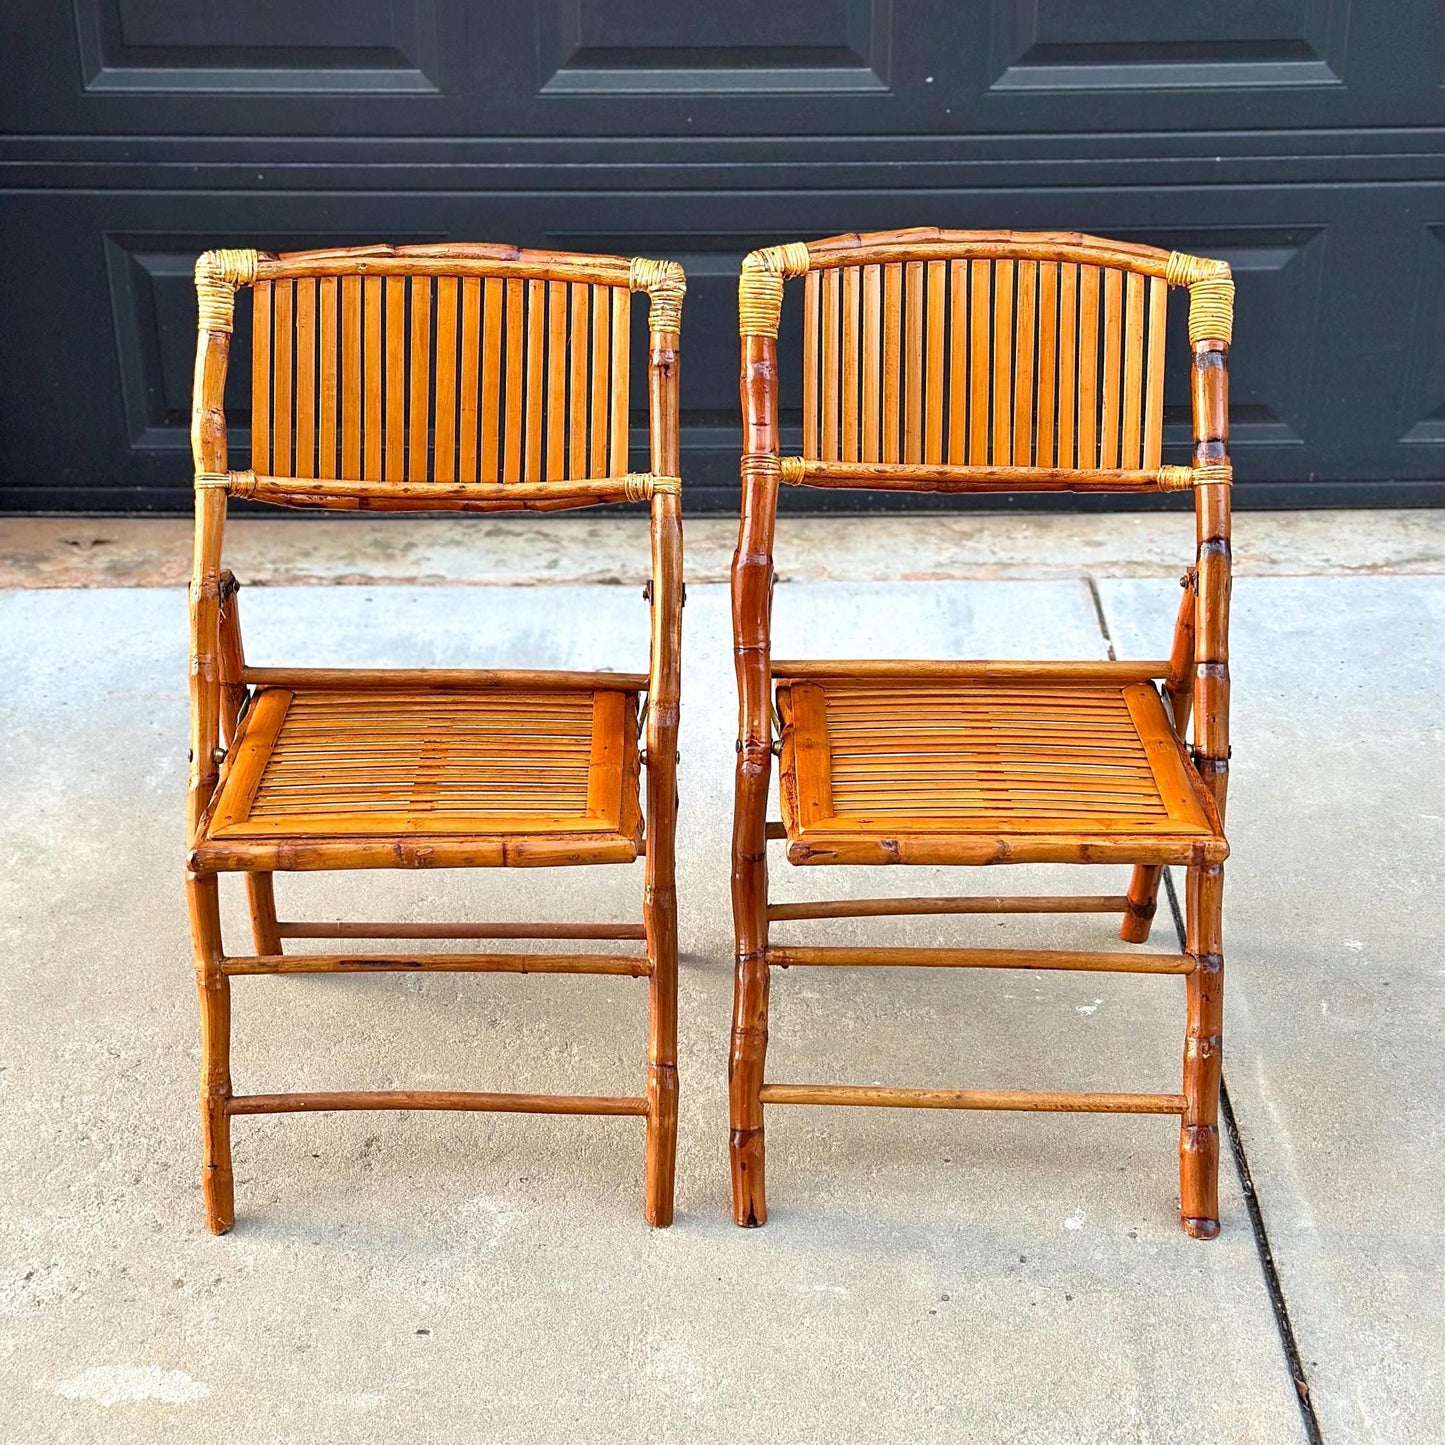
924,1277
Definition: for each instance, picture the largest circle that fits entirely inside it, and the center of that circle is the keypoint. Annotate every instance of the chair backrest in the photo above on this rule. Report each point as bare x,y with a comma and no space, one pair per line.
987,361
458,378
435,377
997,361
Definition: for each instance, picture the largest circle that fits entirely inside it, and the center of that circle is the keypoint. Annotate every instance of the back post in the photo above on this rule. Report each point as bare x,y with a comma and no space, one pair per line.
760,300
1211,303
665,284
218,274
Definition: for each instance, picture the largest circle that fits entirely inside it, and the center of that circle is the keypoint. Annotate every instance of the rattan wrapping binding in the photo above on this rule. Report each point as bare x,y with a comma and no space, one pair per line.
218,273
760,287
665,285
1211,295
1181,479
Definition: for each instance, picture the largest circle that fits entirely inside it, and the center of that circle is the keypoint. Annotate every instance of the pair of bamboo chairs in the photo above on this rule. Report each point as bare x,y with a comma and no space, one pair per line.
471,378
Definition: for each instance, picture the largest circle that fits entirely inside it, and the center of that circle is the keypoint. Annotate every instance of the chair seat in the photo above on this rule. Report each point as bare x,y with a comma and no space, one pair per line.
362,777
936,770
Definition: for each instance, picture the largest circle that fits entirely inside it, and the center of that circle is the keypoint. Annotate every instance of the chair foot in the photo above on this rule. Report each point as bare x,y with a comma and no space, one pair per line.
219,1190
1199,1180
661,1143
750,1203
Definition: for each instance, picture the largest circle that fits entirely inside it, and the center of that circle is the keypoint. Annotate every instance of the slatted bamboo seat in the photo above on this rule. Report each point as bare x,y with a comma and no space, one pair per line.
959,361
915,768
433,378
459,776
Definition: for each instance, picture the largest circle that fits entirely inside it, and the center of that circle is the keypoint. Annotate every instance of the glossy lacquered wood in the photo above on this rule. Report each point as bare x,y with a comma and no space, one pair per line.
964,362
443,378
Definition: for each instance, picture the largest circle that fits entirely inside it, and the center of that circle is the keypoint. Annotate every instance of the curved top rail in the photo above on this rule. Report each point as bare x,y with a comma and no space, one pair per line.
933,243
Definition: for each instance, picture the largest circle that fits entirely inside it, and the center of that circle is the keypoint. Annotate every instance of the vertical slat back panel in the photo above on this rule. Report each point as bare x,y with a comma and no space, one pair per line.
1048,361
471,378
371,378
306,377
261,379
851,408
490,361
1007,362
1001,450
872,368
957,363
418,462
1023,363
394,425
980,366
828,390
536,335
811,287
330,390
444,465
446,378
1087,431
1109,415
281,396
351,388
1068,362
556,415
601,379
1154,398
1131,444
621,379
913,362
892,356
579,349
937,334
516,291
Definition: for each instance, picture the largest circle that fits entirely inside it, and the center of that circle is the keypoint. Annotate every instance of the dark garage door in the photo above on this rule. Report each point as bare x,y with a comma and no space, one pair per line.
1298,139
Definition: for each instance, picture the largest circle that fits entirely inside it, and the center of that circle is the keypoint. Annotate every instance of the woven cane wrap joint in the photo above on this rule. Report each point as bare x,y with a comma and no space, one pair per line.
1184,270
791,471
761,465
643,486
665,285
219,481
1211,295
1181,479
1211,310
218,274
760,287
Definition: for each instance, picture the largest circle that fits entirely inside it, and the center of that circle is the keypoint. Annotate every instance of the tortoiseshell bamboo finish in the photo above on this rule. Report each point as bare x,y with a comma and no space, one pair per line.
445,378
984,361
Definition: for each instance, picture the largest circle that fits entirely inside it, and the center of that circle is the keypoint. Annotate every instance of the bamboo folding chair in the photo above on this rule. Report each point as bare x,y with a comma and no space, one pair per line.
458,378
958,361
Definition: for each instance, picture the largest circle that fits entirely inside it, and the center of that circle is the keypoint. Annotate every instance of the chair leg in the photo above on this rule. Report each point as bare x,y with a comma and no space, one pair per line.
261,894
214,989
660,916
1143,898
745,1083
1203,1046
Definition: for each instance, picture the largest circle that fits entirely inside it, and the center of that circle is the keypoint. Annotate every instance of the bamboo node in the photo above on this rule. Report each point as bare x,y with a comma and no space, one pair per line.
218,274
1181,479
665,284
760,286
